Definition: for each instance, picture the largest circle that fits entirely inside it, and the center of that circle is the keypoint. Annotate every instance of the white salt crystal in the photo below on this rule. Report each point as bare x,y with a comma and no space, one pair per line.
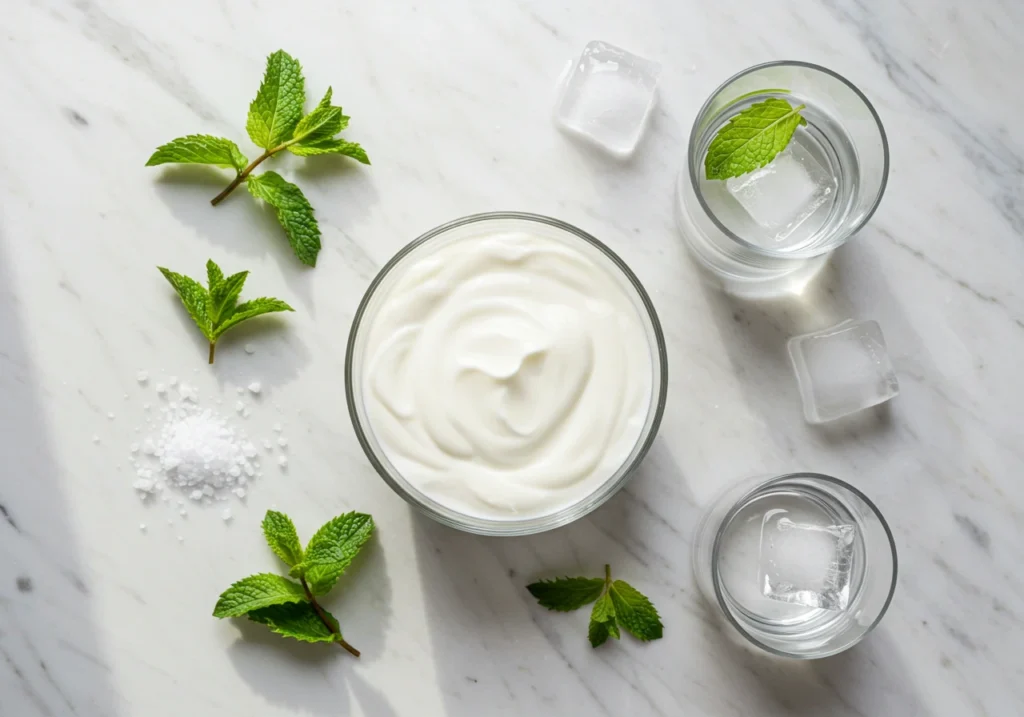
196,495
283,442
267,445
181,538
245,413
207,490
278,427
239,390
170,521
110,416
144,484
239,406
134,448
188,392
142,527
173,380
95,439
142,376
255,387
240,492
183,512
161,389
282,461
226,514
250,349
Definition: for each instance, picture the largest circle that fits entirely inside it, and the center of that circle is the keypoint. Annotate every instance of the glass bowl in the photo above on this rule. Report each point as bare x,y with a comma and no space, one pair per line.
482,225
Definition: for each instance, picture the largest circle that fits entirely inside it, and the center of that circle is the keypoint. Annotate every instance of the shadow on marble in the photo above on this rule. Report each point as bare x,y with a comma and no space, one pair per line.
288,673
322,679
867,679
240,225
51,667
496,651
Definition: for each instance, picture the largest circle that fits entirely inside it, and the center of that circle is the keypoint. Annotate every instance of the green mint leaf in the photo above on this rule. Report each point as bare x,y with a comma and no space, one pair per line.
248,310
599,632
194,297
282,537
199,149
297,620
293,211
278,104
326,101
216,310
213,275
322,123
257,591
331,550
566,594
634,612
330,146
752,138
224,298
602,620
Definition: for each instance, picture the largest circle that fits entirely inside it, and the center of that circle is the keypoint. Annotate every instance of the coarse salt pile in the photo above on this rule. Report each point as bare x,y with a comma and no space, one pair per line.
194,451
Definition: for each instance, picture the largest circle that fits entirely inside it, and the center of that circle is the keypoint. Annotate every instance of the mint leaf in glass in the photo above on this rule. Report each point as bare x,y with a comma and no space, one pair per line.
752,138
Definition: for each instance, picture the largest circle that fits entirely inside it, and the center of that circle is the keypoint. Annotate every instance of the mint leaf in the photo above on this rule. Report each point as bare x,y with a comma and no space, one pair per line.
634,611
293,211
331,550
216,310
752,138
566,594
602,621
282,538
257,591
224,298
249,310
194,297
322,123
278,104
199,149
298,620
330,146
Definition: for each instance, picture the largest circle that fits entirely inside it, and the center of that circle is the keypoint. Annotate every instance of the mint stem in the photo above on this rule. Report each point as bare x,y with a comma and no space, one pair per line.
245,173
607,574
212,347
324,620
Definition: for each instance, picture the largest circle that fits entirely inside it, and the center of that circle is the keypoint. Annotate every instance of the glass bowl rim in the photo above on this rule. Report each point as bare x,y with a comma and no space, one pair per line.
727,518
695,180
527,526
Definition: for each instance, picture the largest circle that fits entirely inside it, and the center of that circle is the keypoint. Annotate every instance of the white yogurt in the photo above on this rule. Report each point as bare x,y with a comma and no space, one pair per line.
507,376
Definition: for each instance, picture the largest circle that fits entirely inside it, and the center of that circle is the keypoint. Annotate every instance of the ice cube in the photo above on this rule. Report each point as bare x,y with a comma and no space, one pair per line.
842,369
607,97
784,193
805,563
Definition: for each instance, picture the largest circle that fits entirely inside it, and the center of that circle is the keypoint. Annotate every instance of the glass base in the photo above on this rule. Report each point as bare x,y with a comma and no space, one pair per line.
735,269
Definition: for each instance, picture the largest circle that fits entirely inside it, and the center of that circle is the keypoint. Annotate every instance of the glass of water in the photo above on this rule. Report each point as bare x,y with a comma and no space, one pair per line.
802,565
769,231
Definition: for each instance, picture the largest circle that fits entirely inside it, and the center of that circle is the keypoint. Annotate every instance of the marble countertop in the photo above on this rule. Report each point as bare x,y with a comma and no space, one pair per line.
452,101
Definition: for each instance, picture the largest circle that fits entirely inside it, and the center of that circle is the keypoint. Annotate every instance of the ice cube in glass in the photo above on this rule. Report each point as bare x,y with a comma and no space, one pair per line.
842,370
805,563
607,97
784,193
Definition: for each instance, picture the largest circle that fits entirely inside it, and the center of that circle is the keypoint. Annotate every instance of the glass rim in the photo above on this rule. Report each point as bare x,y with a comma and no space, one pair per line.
526,526
695,179
740,503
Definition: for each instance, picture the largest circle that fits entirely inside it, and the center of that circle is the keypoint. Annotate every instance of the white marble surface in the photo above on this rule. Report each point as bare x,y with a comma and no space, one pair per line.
452,101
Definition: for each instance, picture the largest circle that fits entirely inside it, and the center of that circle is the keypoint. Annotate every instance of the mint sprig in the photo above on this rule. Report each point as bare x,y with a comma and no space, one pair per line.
289,608
752,138
275,123
616,604
215,309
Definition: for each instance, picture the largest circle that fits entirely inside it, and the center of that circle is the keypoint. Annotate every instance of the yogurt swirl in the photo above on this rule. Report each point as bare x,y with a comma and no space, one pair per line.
509,375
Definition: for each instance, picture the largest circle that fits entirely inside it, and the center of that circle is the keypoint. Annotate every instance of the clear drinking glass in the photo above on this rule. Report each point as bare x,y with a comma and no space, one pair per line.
802,565
770,230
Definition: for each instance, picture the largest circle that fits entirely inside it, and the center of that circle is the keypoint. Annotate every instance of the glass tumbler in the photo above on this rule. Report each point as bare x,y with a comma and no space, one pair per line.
769,231
802,565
